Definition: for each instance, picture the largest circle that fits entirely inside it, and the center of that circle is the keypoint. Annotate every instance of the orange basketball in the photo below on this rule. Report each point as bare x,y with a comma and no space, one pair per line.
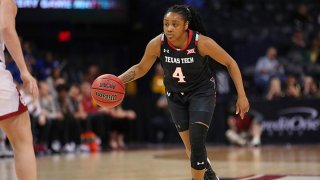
107,90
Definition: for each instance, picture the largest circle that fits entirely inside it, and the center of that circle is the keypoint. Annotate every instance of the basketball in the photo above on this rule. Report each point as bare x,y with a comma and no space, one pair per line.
107,90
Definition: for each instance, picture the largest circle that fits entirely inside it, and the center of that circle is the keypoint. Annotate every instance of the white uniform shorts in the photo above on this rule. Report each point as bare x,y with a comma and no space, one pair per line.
11,103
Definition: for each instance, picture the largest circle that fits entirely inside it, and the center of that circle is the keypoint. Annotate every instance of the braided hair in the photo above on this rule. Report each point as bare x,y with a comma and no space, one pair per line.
191,15
195,23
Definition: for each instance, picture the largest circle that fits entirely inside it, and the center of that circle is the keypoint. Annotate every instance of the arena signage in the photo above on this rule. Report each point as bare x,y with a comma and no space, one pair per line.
67,4
292,121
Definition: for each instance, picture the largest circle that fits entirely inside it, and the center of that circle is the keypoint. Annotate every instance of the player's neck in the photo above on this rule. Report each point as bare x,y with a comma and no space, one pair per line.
182,42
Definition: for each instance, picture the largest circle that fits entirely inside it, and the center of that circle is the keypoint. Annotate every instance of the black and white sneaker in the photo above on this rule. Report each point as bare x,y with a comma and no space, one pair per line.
210,174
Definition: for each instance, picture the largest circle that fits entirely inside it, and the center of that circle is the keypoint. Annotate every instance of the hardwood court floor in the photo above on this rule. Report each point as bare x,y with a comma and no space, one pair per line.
167,164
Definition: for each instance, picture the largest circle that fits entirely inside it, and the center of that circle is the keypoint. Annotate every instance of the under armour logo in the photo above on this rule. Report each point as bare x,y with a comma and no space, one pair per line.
166,50
212,79
198,163
190,51
168,93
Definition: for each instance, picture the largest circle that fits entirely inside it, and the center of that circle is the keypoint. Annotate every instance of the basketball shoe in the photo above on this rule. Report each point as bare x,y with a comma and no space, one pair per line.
210,174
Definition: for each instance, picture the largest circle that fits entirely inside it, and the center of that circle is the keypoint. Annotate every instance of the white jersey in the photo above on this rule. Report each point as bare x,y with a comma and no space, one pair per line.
11,102
2,52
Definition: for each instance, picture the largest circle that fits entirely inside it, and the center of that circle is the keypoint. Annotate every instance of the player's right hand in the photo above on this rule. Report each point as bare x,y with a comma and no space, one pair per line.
242,106
30,84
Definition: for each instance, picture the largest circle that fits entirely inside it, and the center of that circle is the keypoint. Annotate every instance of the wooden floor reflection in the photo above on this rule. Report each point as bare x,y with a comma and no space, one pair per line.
167,164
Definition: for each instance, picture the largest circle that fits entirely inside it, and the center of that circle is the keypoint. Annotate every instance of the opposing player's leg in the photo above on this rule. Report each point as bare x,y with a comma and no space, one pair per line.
18,130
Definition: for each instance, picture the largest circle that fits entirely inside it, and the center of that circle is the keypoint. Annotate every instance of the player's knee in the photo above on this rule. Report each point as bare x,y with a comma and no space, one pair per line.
198,133
182,127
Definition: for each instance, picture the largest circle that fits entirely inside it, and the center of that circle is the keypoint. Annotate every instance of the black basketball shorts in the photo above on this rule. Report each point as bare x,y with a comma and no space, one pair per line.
190,107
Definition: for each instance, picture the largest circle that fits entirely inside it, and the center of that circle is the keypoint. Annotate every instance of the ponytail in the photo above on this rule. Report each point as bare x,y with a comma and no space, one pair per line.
191,15
195,22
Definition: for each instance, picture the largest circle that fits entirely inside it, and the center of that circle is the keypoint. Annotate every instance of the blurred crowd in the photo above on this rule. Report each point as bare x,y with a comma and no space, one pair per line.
280,54
295,74
275,78
65,118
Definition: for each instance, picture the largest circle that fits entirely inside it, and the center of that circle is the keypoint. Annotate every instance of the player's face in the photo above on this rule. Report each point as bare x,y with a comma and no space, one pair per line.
174,26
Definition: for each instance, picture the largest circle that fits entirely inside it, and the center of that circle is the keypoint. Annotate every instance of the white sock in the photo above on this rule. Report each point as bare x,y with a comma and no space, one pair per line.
255,141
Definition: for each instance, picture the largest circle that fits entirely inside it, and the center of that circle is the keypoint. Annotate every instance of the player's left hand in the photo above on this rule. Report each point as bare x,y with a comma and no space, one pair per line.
242,106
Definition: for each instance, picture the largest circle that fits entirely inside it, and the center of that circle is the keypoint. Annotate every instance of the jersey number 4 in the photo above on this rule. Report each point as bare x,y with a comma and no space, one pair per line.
178,74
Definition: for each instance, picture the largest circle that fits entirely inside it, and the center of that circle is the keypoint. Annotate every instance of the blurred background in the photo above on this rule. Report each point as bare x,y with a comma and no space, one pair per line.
68,43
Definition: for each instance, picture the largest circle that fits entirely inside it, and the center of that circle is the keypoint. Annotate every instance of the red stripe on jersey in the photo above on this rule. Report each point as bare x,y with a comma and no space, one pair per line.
186,46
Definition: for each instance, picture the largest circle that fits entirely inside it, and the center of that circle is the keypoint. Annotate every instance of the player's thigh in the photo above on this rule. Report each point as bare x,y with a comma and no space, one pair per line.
179,113
9,95
18,128
202,108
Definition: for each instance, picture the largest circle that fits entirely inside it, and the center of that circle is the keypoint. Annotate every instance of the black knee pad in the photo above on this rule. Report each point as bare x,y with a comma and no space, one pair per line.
198,134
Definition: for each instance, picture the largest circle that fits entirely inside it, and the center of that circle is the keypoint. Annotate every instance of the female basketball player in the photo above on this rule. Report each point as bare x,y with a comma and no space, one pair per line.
189,83
14,117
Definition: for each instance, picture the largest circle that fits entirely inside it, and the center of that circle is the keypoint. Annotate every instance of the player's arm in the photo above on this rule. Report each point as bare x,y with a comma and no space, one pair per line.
8,12
209,47
7,24
151,53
